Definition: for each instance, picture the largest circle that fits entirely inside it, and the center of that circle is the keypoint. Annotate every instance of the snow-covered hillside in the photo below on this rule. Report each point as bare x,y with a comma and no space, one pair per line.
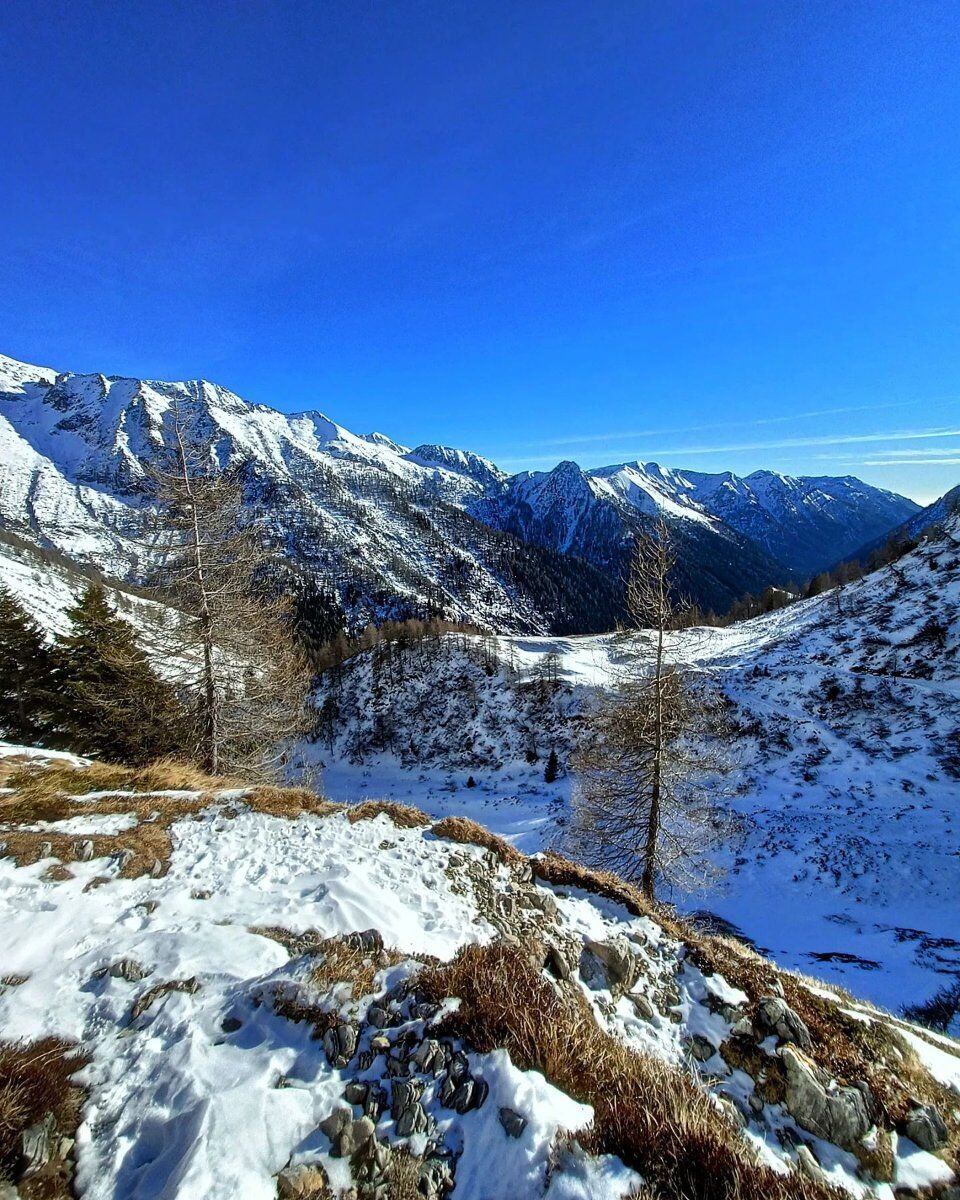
360,514
397,531
277,998
733,535
847,760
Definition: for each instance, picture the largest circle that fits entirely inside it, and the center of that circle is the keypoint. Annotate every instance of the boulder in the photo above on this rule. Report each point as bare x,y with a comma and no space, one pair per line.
774,1015
838,1114
924,1125
622,962
700,1048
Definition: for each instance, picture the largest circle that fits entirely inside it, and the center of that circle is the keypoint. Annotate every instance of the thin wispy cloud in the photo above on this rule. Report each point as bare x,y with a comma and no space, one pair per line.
591,438
850,439
900,462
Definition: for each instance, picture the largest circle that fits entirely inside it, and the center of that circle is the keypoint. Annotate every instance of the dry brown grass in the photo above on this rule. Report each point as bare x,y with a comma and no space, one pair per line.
158,795
404,816
654,1117
564,872
309,942
152,995
35,1078
462,829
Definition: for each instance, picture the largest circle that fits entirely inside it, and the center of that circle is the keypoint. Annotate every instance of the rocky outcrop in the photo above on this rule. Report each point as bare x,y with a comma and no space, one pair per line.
837,1114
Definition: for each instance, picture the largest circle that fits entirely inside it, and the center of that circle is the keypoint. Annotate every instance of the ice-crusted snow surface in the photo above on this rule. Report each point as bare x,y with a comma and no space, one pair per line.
847,763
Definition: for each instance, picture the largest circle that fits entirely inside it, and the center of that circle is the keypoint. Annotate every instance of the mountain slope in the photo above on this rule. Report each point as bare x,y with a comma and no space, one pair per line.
847,760
396,531
280,998
389,534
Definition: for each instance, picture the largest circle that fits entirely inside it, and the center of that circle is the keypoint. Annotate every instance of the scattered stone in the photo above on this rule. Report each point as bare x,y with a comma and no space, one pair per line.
436,1176
621,961
429,1056
701,1049
369,941
774,1015
301,1183
128,969
837,1114
200,894
83,851
347,1136
340,1044
380,1043
124,857
378,1017
37,1146
470,1093
512,1122
925,1126
643,1008
231,1024
46,849
156,869
743,1028
556,963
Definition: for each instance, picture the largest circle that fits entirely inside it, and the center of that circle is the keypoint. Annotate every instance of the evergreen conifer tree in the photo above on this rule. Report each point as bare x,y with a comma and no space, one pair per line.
26,676
115,706
552,768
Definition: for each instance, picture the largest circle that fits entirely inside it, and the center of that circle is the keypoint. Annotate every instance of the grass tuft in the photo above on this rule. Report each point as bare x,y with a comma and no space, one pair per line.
35,1079
404,816
462,829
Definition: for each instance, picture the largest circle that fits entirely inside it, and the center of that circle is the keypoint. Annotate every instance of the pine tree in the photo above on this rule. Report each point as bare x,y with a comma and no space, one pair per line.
114,705
27,701
552,768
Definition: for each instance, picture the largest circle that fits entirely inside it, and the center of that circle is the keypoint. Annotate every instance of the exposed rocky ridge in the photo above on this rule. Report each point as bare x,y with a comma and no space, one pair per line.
351,1065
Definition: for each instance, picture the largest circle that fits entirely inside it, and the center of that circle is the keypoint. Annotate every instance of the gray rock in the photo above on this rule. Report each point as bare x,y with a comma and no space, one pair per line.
837,1114
436,1176
621,961
925,1126
512,1122
428,1056
347,1136
557,964
46,849
369,941
414,1120
743,1028
37,1146
700,1048
774,1015
340,1044
643,1008
403,1095
124,857
378,1017
83,851
808,1164
128,969
470,1093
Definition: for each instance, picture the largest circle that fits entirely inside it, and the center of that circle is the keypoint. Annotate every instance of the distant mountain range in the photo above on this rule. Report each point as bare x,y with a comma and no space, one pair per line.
393,530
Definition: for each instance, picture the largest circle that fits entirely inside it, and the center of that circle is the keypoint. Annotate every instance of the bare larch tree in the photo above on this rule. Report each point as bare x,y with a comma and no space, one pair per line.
646,800
230,644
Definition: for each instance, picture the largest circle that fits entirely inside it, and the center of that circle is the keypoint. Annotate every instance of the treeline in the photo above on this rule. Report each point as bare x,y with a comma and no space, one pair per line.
92,690
772,598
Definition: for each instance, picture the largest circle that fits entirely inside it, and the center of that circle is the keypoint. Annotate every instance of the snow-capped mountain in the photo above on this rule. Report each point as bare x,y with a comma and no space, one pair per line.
394,530
360,514
771,528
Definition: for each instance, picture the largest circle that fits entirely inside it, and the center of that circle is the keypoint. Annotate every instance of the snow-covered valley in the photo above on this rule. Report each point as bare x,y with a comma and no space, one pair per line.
846,761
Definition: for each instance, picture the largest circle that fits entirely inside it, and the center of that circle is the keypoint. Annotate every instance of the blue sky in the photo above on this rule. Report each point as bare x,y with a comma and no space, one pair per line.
719,235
